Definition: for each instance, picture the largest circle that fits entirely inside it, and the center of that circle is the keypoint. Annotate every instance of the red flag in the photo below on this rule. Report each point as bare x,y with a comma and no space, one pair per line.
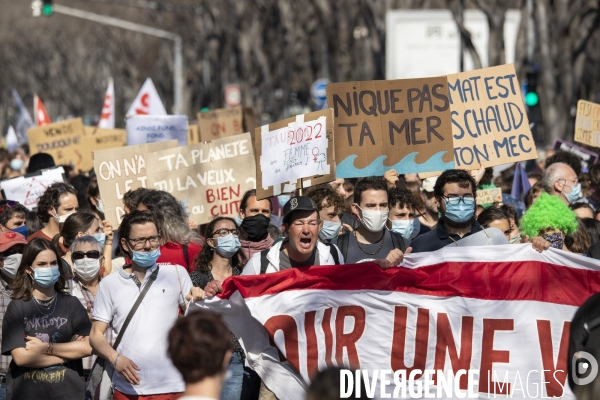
40,113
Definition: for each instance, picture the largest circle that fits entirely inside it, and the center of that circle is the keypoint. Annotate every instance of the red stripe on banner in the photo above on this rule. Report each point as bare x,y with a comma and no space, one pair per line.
514,280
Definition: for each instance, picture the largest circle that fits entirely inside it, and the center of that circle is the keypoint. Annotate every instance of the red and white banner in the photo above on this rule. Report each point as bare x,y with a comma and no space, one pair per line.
40,113
147,102
107,117
502,312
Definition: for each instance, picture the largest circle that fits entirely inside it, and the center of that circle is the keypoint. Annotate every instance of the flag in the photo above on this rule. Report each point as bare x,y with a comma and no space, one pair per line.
147,101
40,113
107,117
520,185
503,311
24,120
12,143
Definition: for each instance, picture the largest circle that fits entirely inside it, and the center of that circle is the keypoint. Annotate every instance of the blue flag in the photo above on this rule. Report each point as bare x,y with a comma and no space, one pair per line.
24,120
520,185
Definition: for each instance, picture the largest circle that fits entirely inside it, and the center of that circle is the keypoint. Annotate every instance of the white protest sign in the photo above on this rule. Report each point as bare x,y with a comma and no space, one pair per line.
27,189
294,152
144,129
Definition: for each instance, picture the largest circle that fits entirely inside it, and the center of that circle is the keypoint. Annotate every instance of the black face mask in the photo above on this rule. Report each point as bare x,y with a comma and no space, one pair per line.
256,227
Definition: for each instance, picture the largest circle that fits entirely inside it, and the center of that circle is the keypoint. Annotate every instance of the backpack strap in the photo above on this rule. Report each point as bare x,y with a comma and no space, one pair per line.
264,261
398,241
342,243
334,253
186,256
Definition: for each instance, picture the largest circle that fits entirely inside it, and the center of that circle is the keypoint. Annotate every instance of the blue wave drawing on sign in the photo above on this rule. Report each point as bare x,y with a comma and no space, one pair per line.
346,168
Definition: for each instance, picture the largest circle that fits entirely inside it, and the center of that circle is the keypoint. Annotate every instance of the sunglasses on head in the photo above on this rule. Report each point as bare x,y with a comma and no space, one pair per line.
8,205
79,255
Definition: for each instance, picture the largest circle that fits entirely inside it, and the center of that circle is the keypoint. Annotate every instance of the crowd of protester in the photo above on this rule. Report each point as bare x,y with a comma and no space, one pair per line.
68,280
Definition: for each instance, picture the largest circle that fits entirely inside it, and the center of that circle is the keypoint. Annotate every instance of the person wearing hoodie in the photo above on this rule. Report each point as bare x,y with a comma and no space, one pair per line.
254,219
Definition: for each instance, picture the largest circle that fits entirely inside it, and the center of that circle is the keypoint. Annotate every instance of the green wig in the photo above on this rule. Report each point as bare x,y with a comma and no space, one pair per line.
548,212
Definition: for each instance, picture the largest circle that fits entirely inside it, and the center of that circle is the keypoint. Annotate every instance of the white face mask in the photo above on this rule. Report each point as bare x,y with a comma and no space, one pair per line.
62,218
11,265
373,220
87,268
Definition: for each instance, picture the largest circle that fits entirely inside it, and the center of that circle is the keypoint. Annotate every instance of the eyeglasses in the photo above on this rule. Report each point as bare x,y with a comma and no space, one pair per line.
8,205
141,242
573,181
454,200
79,255
224,232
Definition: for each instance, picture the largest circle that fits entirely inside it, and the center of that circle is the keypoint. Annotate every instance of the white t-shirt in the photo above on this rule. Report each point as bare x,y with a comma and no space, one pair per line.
145,340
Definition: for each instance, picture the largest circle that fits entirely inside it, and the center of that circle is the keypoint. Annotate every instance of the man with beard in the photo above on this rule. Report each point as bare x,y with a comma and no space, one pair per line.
454,194
430,218
254,219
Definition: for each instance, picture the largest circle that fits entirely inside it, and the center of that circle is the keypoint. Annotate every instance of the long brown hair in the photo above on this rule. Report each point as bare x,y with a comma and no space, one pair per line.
205,256
22,286
75,223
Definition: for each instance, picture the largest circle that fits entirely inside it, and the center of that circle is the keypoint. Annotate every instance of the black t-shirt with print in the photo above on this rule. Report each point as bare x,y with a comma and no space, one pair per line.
64,319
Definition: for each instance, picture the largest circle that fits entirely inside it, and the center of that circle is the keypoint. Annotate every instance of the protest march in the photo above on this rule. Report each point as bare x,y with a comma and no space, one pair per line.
423,233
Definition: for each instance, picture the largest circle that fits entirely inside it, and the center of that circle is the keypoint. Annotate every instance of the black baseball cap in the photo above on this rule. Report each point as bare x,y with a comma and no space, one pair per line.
298,203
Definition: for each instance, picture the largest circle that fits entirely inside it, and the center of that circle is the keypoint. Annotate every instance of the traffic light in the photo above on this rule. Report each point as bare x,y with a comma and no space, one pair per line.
531,97
47,8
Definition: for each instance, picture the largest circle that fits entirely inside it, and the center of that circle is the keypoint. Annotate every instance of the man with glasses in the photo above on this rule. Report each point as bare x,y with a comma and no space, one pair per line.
372,241
454,193
11,252
561,180
140,361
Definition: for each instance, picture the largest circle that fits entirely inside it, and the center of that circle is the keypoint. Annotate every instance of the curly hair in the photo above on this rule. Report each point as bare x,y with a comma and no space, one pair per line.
326,194
402,198
203,259
548,212
51,199
463,178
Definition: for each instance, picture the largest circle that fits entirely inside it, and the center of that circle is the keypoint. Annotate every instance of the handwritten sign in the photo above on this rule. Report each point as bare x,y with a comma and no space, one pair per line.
488,196
225,122
120,170
587,123
397,124
209,179
293,152
99,139
143,129
63,141
588,158
489,120
27,189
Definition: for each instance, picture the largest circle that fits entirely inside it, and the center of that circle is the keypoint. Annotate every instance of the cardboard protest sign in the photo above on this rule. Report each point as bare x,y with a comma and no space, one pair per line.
425,175
143,129
99,139
225,122
120,170
27,189
588,158
209,179
398,124
587,123
63,141
489,119
293,152
488,196
193,134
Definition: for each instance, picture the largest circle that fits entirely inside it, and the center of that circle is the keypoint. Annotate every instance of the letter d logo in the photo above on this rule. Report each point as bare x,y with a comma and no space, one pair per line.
584,368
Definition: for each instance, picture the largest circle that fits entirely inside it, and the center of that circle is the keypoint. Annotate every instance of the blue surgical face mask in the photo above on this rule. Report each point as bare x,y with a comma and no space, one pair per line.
228,245
330,230
46,277
574,194
16,164
146,259
238,220
283,199
404,227
460,211
22,230
101,237
416,228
